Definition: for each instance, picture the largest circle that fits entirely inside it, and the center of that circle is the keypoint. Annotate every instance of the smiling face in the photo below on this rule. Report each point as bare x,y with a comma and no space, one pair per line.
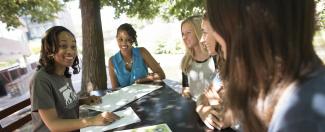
207,39
124,41
67,50
188,34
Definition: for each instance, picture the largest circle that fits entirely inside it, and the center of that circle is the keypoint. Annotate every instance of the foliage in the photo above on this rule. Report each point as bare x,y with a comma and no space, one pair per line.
161,48
149,9
183,8
144,9
44,10
38,10
5,64
178,47
321,13
164,47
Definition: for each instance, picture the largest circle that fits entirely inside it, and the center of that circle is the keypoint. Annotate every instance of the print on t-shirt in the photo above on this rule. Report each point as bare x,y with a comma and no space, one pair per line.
69,95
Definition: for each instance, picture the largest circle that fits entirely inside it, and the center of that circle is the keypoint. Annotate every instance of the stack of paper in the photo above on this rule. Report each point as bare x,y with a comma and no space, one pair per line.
155,128
127,116
117,99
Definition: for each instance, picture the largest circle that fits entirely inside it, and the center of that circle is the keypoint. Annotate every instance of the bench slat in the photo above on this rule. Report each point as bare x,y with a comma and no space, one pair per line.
12,109
17,124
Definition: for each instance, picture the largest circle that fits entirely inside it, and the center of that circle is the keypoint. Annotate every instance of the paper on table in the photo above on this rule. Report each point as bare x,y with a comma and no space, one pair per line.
155,128
117,99
176,86
128,116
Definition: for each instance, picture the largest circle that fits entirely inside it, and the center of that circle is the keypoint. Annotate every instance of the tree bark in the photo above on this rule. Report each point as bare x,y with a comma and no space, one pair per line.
93,60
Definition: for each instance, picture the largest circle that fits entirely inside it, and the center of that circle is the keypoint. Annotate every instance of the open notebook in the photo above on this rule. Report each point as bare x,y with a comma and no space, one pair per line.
128,116
154,128
117,99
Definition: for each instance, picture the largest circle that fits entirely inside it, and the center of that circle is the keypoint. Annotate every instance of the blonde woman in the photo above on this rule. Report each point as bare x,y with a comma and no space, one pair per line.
197,66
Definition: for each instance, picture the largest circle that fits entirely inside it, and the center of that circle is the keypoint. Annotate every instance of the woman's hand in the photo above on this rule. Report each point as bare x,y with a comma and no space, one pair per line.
215,116
213,96
222,117
91,100
204,112
149,78
186,92
213,111
142,80
103,119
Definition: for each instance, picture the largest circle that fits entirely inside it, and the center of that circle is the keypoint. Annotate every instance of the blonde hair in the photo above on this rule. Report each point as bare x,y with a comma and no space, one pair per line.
195,21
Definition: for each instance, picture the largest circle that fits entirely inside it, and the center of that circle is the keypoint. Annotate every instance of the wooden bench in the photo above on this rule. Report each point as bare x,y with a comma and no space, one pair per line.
13,109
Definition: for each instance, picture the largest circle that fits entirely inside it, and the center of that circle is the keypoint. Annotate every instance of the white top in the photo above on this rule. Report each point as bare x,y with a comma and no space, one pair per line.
200,76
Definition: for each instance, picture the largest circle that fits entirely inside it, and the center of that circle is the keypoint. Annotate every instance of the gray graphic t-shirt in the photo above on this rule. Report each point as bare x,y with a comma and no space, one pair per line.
52,91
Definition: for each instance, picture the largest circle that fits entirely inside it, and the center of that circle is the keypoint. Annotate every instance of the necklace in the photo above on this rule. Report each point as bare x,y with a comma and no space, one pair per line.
129,63
127,59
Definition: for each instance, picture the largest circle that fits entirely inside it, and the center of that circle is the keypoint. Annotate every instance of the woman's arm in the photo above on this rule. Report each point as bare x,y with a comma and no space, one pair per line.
90,100
112,75
204,110
186,89
212,110
158,73
54,123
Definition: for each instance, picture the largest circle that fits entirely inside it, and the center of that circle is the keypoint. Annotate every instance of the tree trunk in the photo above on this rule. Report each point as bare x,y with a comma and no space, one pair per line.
93,60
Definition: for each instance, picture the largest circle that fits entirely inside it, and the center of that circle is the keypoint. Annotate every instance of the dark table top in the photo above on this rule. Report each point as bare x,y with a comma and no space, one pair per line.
166,106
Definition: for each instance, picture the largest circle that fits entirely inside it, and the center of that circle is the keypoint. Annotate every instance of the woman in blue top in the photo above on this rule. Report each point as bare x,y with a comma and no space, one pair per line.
130,65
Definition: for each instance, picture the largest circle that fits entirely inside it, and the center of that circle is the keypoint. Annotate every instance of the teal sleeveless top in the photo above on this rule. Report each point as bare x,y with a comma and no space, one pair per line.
138,70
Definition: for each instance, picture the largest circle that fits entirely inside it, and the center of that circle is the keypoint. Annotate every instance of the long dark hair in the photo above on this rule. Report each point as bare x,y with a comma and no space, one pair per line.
50,46
130,30
219,58
269,45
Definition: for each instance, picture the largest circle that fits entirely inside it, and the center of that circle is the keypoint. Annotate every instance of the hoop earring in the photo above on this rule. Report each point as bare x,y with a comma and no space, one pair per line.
51,58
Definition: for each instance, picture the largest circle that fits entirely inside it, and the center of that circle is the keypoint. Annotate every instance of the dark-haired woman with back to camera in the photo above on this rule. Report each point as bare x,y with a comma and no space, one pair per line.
274,80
